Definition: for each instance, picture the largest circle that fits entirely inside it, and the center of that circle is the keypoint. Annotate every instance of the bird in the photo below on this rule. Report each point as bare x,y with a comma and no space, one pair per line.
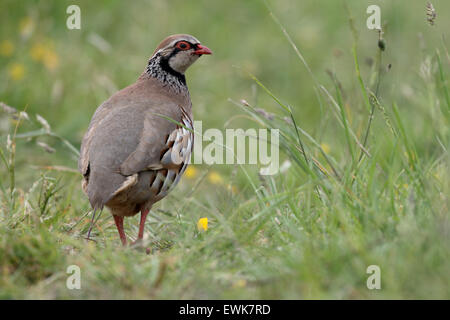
139,141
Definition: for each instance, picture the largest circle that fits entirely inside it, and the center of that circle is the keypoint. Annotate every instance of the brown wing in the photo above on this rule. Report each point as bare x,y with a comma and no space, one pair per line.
173,157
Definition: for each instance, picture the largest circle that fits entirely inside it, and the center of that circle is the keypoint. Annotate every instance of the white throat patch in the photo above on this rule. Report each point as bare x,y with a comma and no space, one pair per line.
182,60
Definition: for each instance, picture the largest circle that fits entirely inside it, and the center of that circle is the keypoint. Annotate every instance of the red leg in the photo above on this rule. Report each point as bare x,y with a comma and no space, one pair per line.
119,224
144,214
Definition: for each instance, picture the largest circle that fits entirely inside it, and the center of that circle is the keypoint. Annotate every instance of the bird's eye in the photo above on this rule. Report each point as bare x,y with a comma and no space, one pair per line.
183,45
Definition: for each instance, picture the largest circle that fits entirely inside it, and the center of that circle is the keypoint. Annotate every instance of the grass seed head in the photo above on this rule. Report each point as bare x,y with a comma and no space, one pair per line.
431,14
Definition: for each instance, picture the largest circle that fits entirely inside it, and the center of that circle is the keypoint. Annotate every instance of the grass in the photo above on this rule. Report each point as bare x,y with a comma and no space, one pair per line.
367,142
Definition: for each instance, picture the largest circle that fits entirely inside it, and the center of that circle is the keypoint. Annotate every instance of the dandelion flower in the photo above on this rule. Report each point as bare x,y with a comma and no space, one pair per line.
241,283
190,172
6,48
37,52
16,71
215,178
202,224
51,60
45,54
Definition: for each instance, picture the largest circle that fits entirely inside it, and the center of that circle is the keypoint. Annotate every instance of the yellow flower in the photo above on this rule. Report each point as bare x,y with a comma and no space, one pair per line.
16,71
37,52
26,26
241,283
325,147
202,224
190,172
215,178
45,54
6,48
51,60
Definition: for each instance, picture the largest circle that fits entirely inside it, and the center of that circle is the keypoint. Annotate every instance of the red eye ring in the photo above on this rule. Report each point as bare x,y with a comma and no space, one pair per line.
183,45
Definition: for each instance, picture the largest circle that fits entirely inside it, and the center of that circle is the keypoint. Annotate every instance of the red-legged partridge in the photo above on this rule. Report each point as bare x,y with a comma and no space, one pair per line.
139,141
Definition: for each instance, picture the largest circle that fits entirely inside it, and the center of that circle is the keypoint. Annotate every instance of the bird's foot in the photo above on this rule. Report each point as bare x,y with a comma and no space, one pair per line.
90,239
139,245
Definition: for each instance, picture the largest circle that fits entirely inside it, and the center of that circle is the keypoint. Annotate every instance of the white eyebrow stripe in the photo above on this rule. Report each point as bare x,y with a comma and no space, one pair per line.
191,40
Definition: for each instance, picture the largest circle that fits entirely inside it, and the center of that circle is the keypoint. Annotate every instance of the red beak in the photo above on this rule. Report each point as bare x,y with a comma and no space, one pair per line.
202,50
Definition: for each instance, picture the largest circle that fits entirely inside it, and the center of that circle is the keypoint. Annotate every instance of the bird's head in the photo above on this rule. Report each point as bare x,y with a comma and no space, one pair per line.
179,51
